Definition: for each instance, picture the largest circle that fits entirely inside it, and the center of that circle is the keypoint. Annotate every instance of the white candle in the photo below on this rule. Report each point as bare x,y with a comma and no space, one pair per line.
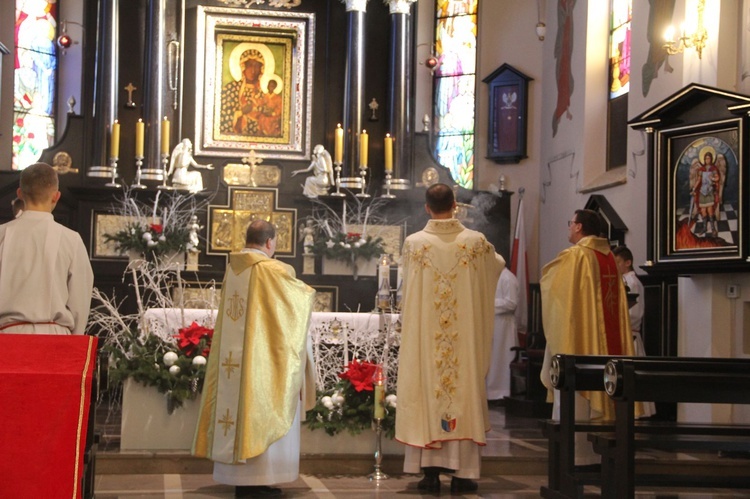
379,399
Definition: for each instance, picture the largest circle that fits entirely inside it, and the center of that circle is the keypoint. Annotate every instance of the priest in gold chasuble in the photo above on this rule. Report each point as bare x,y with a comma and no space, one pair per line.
450,276
584,312
257,370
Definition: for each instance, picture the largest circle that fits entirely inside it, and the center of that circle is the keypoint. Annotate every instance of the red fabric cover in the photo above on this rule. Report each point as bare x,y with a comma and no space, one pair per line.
45,391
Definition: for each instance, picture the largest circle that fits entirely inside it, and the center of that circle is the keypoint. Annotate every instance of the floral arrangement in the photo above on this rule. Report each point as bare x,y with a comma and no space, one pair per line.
175,366
351,403
348,247
154,231
334,239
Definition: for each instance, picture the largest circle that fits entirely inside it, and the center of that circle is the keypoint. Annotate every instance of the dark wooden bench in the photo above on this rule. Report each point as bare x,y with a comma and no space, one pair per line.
675,380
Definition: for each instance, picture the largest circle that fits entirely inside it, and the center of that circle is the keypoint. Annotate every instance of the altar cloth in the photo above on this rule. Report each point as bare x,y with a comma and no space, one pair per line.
45,394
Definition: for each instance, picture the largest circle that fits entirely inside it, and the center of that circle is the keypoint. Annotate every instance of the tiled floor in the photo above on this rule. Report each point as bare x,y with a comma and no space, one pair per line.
514,464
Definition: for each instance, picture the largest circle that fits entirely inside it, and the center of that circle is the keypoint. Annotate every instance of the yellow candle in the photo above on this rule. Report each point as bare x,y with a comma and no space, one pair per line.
140,131
363,149
165,136
379,401
114,143
338,152
388,153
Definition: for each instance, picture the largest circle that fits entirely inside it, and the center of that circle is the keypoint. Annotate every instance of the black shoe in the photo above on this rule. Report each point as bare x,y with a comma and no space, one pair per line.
430,482
462,485
256,491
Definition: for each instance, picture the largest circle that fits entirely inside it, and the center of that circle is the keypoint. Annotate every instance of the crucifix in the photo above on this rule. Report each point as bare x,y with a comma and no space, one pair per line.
129,89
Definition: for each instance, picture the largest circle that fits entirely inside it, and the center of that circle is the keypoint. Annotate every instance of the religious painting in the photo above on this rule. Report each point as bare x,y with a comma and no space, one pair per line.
703,198
253,82
326,299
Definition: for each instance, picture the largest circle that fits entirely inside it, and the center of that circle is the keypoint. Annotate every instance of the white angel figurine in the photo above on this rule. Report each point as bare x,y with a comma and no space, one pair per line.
182,159
322,178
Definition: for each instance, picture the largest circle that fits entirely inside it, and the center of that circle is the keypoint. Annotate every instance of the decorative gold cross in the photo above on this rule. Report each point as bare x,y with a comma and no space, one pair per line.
227,422
130,89
229,365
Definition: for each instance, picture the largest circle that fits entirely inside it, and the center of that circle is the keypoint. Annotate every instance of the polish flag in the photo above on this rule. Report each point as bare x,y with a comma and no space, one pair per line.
519,266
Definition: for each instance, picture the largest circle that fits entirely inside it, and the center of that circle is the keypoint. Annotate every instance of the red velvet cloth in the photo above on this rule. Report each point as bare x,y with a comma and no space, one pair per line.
45,393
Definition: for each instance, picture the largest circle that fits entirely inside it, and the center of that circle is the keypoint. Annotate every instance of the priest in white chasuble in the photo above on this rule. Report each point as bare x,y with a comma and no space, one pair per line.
450,275
258,370
584,312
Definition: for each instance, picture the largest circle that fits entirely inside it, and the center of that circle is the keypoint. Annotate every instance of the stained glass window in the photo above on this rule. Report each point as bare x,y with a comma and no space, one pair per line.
619,47
455,80
34,80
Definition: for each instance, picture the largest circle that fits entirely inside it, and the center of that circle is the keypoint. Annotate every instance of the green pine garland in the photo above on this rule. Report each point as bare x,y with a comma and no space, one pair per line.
336,248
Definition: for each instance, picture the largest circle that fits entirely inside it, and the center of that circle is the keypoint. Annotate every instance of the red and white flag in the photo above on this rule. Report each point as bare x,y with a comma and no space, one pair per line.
520,267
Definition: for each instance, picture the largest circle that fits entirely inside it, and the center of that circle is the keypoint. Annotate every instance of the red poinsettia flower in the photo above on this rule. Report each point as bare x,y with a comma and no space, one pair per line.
189,338
353,236
359,375
157,228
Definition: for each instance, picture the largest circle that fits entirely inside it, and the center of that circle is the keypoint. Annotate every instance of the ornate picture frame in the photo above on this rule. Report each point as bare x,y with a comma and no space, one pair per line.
702,215
254,82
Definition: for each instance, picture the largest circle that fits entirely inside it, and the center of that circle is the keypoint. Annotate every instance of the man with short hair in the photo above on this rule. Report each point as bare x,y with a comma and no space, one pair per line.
249,419
45,273
450,276
584,312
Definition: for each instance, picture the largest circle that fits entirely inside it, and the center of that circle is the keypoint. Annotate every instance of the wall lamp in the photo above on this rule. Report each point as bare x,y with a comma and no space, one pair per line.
65,41
696,40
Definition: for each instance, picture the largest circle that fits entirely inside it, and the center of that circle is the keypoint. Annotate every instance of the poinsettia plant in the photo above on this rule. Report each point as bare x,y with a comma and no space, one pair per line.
175,366
351,403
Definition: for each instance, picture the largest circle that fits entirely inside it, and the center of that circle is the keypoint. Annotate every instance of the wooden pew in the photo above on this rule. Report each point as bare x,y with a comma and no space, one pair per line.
571,373
670,380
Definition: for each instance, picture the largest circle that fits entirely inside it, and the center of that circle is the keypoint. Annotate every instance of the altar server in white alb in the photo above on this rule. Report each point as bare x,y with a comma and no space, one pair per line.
45,272
249,422
450,275
504,337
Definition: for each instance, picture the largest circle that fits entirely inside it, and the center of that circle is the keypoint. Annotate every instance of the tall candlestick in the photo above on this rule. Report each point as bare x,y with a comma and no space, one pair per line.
114,144
140,131
363,140
388,153
165,136
379,399
338,151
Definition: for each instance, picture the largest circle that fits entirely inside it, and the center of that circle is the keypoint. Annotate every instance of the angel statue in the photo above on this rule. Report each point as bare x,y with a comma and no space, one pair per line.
322,178
307,233
706,187
182,159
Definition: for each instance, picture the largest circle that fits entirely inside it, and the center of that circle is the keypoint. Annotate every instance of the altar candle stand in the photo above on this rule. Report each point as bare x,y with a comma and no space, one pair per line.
378,380
114,153
140,132
388,150
363,149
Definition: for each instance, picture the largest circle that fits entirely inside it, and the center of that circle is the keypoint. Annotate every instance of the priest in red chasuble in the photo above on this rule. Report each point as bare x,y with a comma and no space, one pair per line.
450,276
584,312
259,367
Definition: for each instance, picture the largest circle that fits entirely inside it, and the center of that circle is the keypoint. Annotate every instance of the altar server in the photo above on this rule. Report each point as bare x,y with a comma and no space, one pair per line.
450,275
504,338
249,422
45,272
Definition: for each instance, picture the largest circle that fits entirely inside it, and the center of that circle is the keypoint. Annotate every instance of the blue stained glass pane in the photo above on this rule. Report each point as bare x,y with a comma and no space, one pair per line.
454,104
34,81
456,152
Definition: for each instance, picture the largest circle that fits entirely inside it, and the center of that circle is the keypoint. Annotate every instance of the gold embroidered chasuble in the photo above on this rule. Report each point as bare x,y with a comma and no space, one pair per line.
576,307
450,276
258,360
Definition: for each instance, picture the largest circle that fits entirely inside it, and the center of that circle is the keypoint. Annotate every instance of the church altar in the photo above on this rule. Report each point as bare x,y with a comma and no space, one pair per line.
334,338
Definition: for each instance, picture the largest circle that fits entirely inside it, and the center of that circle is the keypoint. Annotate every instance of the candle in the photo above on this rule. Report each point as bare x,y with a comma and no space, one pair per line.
338,152
140,130
379,400
114,144
378,380
363,149
165,136
388,153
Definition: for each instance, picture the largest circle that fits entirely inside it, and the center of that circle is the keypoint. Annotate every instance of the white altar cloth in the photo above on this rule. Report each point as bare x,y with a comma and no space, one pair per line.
337,337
